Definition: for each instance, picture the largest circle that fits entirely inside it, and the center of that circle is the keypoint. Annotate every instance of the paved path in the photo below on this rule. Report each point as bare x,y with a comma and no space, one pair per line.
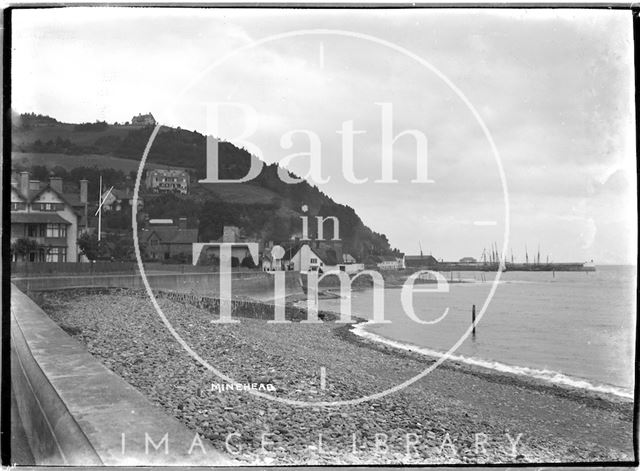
20,451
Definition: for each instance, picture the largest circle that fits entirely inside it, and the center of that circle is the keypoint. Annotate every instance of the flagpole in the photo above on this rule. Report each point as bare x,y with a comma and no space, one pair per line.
100,210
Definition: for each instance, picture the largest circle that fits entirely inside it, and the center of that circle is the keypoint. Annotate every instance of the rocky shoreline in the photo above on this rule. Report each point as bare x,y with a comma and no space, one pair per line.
456,414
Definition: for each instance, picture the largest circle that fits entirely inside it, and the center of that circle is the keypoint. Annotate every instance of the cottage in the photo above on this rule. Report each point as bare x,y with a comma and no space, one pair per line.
308,259
119,200
164,242
389,262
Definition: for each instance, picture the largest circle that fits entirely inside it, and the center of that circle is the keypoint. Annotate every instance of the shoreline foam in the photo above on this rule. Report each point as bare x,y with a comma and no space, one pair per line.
547,376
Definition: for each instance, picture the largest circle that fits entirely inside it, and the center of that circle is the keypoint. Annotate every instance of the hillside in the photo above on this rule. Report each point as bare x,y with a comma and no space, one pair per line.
265,208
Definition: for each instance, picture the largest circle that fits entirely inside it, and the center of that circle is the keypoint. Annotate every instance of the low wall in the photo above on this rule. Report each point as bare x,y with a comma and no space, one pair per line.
75,411
244,308
252,284
98,267
43,268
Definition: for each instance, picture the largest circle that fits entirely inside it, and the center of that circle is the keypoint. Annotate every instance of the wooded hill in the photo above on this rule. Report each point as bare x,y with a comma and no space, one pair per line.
264,208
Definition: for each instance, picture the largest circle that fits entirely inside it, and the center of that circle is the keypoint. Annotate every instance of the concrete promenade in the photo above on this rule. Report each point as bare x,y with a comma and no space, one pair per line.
75,411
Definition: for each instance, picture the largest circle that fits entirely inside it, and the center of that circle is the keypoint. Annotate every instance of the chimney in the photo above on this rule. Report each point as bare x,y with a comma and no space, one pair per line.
83,191
56,184
182,223
24,184
229,234
34,185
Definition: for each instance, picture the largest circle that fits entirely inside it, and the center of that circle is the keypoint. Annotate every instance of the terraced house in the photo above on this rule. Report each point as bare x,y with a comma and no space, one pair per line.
45,222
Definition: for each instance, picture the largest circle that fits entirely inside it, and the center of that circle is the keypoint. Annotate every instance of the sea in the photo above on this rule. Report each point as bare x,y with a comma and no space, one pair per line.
571,328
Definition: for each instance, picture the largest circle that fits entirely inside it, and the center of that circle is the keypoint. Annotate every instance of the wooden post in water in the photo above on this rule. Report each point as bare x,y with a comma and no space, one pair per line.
473,320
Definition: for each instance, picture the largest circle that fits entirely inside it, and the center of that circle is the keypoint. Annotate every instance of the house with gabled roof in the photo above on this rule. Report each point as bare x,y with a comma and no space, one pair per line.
163,242
308,258
115,199
46,219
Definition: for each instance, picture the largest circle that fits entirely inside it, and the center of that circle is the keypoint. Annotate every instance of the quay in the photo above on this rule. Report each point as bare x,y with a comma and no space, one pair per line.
494,266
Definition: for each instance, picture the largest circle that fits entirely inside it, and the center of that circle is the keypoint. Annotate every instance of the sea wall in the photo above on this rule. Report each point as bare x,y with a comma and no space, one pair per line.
75,411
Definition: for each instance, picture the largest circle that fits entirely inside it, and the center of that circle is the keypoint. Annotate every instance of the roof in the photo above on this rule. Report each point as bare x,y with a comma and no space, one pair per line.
168,171
18,193
171,235
387,258
38,218
328,256
120,194
73,199
58,194
420,260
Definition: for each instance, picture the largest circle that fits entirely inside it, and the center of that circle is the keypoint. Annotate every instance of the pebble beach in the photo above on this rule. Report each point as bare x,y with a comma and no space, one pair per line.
455,414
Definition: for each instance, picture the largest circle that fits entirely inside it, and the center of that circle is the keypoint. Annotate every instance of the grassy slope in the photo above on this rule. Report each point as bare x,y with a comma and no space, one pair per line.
86,160
66,131
242,193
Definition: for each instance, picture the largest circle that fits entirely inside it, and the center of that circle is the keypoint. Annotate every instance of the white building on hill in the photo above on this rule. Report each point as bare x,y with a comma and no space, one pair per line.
168,181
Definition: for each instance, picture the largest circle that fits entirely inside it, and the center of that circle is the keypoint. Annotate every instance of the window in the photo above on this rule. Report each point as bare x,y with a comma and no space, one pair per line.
153,242
18,206
37,256
313,260
48,207
57,254
56,230
36,230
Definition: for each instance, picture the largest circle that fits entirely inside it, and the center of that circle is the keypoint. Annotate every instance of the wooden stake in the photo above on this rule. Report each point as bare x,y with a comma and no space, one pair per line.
473,319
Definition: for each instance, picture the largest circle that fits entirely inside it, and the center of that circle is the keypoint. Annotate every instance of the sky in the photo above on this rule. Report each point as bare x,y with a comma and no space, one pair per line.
553,90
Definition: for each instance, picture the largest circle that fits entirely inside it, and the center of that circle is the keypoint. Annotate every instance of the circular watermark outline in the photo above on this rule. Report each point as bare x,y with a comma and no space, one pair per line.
494,150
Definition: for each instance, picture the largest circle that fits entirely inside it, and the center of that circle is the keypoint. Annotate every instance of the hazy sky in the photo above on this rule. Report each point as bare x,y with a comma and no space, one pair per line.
554,88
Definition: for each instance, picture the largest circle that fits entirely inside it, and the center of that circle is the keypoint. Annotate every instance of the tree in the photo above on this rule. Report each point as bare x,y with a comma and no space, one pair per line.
247,262
115,247
23,247
89,246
